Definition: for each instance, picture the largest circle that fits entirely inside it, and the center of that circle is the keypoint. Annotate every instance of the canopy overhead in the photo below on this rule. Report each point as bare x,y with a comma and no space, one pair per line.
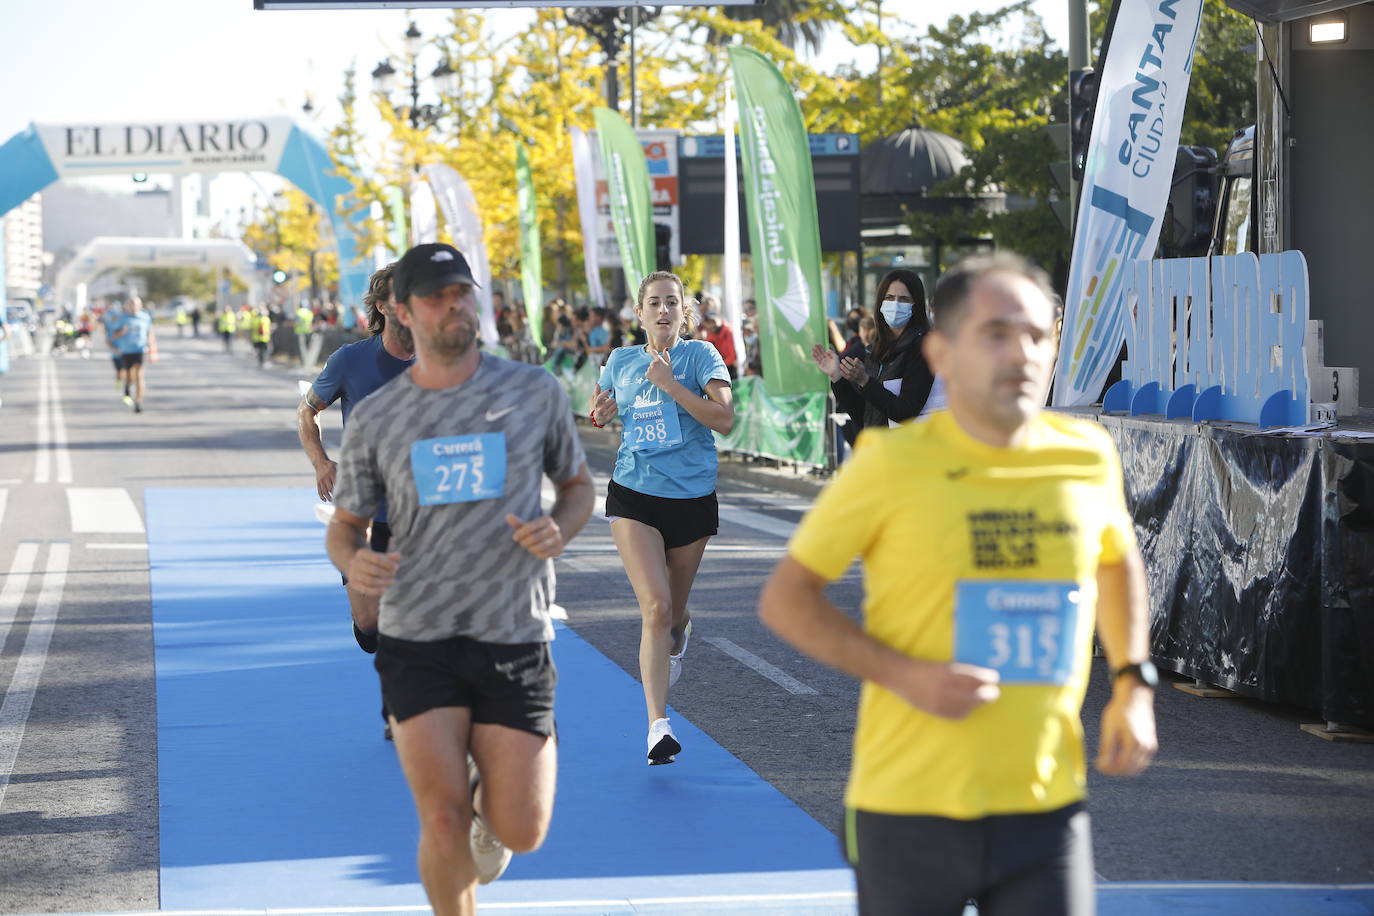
1288,10
911,161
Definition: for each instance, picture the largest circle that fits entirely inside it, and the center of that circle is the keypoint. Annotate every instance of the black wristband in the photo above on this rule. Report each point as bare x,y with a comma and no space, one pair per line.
1145,672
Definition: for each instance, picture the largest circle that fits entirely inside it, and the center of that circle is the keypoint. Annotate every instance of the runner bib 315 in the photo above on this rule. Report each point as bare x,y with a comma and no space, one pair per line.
1023,628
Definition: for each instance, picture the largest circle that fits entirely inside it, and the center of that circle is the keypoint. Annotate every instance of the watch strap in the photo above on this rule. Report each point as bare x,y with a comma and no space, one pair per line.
1145,672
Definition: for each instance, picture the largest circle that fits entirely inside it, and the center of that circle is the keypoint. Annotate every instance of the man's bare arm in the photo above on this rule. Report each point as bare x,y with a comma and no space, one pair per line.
545,536
1128,741
308,430
572,505
368,572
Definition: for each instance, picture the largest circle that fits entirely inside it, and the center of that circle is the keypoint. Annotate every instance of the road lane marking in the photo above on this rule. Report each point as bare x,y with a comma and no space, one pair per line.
774,549
4,496
596,904
103,510
758,521
14,714
116,546
746,517
61,454
15,584
42,460
772,672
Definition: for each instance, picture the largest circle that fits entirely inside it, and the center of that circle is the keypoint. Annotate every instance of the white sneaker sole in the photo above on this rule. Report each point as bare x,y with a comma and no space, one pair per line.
665,751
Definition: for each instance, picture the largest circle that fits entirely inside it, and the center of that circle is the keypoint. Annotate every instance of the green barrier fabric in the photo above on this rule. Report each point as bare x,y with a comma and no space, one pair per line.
789,428
580,384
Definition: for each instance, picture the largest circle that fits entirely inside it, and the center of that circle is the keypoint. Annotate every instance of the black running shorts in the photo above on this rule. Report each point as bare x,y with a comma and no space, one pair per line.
680,521
129,360
510,685
1011,864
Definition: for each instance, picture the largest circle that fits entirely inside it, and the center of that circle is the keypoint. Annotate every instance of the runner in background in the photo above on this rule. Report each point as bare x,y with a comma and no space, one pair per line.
131,337
351,373
109,319
670,394
993,538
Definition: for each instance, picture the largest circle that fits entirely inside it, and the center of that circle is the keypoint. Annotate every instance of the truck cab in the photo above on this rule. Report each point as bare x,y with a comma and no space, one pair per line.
1233,229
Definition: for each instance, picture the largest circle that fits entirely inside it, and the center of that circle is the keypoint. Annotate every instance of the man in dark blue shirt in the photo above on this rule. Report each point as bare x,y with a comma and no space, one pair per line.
353,372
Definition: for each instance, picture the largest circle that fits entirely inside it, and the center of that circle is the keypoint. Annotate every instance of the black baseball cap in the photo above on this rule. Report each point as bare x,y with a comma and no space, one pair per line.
427,268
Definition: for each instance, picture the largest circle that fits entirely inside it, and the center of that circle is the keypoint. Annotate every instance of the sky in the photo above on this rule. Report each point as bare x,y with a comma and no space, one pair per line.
164,60
79,60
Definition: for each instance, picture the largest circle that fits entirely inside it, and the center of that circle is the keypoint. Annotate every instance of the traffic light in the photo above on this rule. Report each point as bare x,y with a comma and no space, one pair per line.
1082,101
278,276
1192,206
663,247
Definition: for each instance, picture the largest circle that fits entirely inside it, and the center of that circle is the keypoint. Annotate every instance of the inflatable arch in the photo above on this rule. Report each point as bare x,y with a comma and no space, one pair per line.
103,253
44,153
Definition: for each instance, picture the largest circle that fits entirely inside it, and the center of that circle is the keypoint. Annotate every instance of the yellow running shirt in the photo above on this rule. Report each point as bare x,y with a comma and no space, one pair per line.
1006,542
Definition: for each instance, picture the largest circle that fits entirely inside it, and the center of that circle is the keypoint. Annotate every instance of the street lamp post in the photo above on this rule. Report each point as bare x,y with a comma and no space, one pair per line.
444,76
419,116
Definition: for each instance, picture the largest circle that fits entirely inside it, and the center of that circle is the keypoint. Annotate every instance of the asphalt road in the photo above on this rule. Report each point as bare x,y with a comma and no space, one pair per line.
1238,792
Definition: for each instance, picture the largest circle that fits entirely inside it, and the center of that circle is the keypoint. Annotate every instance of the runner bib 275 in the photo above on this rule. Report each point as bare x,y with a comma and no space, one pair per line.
459,469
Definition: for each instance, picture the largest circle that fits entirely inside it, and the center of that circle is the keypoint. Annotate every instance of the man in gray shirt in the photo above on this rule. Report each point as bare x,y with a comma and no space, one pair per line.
458,446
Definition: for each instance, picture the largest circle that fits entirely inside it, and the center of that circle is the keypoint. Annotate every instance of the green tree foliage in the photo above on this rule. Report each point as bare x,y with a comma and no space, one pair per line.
992,80
996,87
291,235
1221,95
162,284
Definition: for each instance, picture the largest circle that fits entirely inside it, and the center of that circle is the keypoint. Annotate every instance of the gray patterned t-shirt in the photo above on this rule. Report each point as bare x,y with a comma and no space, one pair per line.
451,463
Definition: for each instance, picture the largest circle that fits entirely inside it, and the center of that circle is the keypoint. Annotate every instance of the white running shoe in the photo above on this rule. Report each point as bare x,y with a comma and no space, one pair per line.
675,661
489,855
663,746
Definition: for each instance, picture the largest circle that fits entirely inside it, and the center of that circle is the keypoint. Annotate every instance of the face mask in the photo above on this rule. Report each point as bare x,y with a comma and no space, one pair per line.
896,313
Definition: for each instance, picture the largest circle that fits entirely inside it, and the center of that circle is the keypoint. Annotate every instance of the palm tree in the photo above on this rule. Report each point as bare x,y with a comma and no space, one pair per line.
607,26
784,16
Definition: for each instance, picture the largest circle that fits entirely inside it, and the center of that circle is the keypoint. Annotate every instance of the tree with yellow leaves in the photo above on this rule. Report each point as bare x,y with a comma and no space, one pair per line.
291,235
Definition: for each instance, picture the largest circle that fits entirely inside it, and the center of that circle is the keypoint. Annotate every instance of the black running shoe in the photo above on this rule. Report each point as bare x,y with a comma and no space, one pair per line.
366,641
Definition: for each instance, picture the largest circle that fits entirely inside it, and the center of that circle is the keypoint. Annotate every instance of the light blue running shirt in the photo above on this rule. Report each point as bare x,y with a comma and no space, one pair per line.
664,450
135,337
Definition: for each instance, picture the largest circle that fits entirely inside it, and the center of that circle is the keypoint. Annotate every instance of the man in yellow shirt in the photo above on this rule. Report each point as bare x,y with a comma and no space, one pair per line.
993,538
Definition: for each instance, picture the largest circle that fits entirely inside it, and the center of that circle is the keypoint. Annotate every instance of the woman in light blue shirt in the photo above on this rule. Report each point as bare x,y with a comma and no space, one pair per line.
670,394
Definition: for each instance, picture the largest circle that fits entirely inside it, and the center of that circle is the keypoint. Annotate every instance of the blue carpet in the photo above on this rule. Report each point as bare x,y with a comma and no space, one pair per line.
277,789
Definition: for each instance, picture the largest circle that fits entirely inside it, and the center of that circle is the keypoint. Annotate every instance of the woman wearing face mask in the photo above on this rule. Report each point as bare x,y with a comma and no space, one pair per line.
893,382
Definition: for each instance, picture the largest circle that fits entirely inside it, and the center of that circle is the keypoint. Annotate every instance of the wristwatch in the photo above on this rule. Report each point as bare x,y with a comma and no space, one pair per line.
1145,672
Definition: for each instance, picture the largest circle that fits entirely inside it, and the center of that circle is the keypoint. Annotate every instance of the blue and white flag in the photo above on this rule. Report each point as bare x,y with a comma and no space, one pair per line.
1142,90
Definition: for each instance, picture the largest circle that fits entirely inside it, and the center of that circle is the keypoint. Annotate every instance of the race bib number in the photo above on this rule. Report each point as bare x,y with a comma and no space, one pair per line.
653,426
459,469
1025,629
